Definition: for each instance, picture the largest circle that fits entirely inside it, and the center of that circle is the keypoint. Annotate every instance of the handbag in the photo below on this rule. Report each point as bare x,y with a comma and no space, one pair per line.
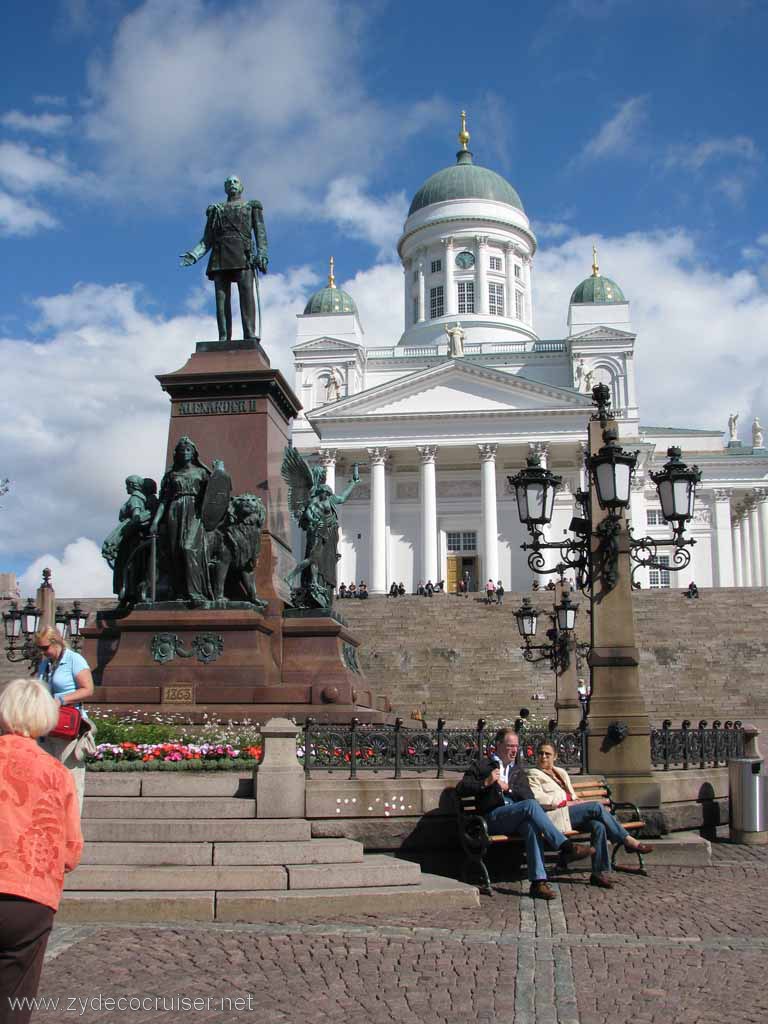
68,725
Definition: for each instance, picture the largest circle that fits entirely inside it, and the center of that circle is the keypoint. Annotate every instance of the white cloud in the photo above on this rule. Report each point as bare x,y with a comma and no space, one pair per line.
80,572
39,124
49,100
378,294
20,217
694,157
700,351
551,228
618,135
186,97
378,221
23,167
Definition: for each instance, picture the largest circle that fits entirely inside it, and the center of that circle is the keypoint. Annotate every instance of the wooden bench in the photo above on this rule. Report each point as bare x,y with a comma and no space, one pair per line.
476,839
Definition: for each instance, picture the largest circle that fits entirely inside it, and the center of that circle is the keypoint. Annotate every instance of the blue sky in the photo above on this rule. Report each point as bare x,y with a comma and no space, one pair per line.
640,126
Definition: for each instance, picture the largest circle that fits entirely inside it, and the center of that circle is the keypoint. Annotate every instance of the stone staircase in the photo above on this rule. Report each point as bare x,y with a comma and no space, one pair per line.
699,659
166,847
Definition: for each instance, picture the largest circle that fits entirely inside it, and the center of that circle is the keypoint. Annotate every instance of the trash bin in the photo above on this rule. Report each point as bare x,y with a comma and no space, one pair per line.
748,795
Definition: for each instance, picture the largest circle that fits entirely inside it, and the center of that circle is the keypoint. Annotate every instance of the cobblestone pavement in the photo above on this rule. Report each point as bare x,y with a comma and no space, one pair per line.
683,945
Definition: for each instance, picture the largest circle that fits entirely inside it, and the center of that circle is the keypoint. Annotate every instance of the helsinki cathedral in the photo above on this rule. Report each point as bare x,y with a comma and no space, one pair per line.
438,420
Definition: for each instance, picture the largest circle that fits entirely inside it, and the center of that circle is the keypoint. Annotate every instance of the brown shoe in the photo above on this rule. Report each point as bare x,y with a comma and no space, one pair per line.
643,848
601,881
575,851
541,891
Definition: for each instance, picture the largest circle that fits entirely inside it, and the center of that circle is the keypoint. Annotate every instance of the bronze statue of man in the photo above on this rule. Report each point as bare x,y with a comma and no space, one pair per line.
229,232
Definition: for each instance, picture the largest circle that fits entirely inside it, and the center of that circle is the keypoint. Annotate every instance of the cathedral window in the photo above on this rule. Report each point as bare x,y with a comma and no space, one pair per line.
436,304
519,305
653,517
658,579
466,296
495,262
496,299
461,540
437,266
518,273
415,310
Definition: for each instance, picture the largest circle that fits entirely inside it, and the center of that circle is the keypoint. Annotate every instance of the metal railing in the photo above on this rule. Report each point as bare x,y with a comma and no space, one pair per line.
701,747
355,748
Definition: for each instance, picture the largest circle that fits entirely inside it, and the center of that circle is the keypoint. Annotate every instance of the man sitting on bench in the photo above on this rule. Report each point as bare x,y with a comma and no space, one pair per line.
504,798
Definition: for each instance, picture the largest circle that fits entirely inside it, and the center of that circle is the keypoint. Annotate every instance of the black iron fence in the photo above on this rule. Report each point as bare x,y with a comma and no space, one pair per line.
398,748
699,747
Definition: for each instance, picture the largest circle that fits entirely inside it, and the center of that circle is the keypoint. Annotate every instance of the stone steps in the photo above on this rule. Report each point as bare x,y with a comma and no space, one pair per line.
309,851
228,830
249,906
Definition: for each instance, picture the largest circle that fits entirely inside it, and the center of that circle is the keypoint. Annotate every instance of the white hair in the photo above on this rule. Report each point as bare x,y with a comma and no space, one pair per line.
27,709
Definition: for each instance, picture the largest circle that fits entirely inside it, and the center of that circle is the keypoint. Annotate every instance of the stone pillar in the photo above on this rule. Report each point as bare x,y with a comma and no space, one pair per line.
736,535
328,462
639,517
567,703
754,543
407,293
746,546
528,297
490,514
451,298
377,583
428,561
618,742
761,497
481,274
722,538
46,601
509,299
278,782
422,290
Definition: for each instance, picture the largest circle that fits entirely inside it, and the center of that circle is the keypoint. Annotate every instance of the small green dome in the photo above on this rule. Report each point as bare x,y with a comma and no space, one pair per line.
331,300
598,289
465,180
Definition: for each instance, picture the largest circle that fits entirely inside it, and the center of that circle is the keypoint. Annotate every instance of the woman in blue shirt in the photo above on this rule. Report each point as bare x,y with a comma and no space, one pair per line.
69,680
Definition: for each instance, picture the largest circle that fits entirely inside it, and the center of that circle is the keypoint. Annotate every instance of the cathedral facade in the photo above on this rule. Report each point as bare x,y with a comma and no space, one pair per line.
439,420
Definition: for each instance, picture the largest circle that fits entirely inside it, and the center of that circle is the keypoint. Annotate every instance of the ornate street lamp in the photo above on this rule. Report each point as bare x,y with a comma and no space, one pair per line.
527,619
611,470
61,621
565,613
676,486
18,623
77,619
535,488
563,623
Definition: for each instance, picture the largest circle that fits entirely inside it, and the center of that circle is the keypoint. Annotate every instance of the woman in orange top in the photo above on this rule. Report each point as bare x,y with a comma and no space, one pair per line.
40,839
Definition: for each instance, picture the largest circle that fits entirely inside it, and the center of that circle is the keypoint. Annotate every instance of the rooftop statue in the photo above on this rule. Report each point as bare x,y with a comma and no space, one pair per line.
757,434
313,505
733,419
455,340
230,228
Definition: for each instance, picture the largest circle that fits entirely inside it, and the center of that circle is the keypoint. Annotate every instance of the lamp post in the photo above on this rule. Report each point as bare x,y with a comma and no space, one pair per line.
600,552
20,626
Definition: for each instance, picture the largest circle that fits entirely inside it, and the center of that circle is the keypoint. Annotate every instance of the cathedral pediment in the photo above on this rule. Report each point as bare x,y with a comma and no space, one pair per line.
455,387
602,334
328,344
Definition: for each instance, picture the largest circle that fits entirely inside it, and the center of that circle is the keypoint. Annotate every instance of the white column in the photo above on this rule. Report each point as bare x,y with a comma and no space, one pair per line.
528,299
509,299
481,274
761,497
422,290
746,567
490,514
736,534
328,462
754,543
408,293
638,515
722,537
377,584
428,561
451,299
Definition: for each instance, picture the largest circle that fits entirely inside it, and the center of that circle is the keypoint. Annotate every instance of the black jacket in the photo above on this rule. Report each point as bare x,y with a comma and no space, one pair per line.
490,797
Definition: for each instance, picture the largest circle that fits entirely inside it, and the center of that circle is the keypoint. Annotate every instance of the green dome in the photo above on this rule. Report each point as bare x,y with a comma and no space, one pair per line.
331,300
465,180
598,289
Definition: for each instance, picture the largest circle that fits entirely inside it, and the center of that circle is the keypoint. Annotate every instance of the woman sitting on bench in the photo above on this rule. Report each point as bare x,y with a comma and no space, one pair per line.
552,788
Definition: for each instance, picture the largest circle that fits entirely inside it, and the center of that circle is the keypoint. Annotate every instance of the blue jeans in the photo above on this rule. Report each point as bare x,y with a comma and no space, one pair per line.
526,818
602,826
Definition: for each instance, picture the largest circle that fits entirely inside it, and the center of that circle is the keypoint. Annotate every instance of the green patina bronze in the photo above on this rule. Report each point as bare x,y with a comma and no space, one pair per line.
314,507
195,545
230,230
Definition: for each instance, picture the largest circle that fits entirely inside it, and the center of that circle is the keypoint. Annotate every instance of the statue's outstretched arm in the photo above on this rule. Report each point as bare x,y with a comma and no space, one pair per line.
339,499
194,254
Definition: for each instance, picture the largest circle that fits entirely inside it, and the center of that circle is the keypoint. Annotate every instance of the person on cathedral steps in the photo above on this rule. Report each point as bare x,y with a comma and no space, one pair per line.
490,592
420,589
499,593
401,589
504,798
342,590
352,590
362,591
429,589
393,591
552,789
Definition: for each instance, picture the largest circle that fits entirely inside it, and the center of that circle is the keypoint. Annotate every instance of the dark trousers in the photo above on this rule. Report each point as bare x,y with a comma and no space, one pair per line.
24,930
